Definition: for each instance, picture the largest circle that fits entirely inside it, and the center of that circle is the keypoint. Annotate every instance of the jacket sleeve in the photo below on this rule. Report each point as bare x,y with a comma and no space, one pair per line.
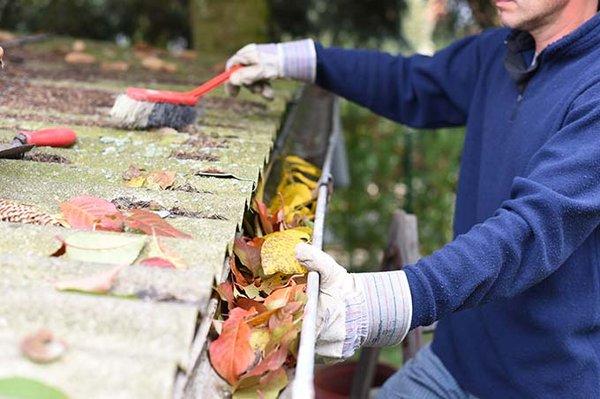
419,91
552,210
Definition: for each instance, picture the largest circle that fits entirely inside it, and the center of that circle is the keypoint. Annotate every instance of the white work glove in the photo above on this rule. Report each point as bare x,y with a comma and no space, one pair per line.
356,309
264,62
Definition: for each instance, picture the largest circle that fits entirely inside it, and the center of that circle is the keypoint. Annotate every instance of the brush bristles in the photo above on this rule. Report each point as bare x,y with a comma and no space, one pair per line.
134,114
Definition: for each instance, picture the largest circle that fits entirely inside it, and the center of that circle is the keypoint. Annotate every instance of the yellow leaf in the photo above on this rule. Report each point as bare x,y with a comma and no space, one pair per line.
301,213
136,182
259,339
304,180
304,229
298,164
278,252
273,282
293,196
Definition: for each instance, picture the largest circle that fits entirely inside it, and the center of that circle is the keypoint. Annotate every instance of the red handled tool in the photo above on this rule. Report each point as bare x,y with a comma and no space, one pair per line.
26,140
145,108
180,97
50,137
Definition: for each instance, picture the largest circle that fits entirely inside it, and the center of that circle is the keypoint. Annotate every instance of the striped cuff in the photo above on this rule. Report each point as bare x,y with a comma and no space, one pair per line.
357,322
388,305
298,60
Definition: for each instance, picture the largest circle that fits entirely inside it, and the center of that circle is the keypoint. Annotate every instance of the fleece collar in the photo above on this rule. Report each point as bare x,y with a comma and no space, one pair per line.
519,43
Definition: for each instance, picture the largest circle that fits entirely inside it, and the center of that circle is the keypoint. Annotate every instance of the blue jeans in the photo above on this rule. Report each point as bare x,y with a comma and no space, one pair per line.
423,377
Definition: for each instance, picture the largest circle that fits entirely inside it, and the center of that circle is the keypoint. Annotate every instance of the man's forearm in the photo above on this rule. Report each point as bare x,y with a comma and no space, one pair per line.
419,91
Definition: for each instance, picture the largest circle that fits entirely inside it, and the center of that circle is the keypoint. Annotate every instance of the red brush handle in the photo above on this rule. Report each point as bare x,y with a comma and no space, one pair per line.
214,82
52,137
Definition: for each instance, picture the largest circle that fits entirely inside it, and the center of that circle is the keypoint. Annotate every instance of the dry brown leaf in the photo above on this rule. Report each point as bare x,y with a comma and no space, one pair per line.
43,347
278,252
160,180
158,65
132,172
6,36
80,58
169,67
188,55
116,66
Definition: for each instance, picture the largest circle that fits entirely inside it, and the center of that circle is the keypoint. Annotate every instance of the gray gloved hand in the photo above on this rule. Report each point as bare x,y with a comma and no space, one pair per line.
356,309
264,62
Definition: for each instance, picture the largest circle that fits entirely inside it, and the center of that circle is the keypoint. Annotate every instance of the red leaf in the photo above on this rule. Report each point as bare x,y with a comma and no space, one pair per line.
91,213
157,262
249,253
247,303
279,298
272,361
238,277
225,291
291,308
269,223
231,354
152,224
264,217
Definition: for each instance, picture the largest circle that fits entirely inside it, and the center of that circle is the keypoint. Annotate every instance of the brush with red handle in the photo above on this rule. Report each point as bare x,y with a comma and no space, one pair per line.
145,108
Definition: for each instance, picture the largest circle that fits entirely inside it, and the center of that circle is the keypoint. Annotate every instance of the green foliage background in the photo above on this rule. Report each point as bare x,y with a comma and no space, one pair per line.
360,214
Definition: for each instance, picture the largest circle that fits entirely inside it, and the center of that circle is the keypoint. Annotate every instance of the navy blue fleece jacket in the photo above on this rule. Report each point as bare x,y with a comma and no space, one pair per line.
518,290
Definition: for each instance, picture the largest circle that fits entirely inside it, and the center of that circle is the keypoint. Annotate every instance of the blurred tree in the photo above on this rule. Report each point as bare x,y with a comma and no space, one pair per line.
225,26
381,179
367,22
484,13
155,21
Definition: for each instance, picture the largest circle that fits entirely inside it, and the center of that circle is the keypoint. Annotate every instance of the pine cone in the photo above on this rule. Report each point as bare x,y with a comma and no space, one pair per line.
11,211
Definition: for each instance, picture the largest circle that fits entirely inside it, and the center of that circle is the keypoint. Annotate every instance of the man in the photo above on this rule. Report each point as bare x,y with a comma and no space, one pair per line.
517,292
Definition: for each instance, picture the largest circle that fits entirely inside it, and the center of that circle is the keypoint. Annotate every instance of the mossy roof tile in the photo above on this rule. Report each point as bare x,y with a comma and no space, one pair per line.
127,346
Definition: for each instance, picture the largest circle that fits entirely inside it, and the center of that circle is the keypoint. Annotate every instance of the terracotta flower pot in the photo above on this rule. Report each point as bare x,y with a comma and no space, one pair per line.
335,381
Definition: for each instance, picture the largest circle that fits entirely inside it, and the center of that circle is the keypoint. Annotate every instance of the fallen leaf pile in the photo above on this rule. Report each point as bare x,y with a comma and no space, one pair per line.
265,295
91,213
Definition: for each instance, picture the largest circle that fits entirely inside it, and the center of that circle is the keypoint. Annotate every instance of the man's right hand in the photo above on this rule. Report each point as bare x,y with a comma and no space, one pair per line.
265,62
356,309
